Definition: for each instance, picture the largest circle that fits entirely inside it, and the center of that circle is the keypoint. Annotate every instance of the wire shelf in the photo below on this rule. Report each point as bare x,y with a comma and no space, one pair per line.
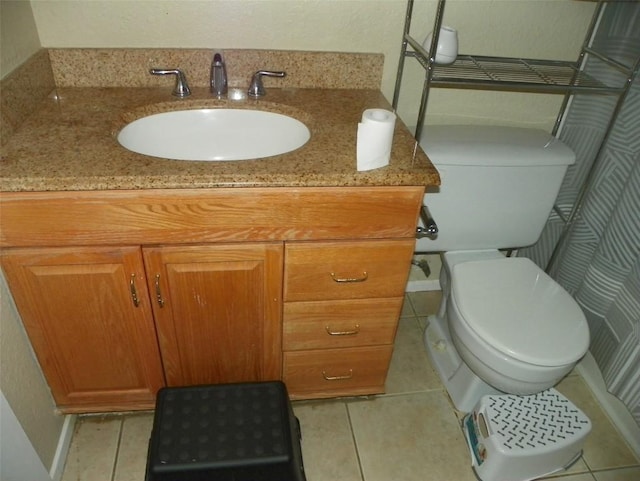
516,74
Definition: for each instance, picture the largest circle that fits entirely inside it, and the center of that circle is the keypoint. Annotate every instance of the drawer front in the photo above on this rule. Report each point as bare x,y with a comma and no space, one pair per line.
333,372
347,270
340,323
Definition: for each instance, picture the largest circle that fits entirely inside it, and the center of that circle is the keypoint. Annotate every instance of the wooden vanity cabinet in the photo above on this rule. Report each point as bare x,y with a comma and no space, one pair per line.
212,285
87,314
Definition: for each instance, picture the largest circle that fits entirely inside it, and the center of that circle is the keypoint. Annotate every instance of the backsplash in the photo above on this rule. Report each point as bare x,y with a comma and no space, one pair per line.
129,67
25,87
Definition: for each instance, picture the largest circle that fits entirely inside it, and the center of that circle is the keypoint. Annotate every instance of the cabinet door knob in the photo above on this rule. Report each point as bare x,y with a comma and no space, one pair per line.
364,277
353,332
134,292
159,297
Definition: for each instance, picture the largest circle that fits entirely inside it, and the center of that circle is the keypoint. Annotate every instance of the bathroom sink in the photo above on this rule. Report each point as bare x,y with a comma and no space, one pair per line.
214,134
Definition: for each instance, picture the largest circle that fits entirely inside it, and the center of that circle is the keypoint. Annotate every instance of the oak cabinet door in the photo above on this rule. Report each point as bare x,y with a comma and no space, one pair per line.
218,311
89,319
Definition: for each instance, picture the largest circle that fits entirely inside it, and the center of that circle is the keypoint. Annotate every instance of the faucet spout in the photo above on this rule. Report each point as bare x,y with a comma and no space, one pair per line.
218,79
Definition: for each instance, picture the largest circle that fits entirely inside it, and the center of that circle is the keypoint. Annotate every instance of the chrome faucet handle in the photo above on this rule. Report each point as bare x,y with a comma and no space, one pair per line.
256,89
181,88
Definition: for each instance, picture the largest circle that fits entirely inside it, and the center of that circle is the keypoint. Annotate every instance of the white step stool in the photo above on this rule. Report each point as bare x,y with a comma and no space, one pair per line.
520,438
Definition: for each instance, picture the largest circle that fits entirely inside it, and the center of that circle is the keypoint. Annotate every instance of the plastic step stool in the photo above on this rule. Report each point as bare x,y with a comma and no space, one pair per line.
225,432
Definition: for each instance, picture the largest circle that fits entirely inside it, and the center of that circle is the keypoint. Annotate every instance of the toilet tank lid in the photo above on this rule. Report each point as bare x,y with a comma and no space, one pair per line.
492,146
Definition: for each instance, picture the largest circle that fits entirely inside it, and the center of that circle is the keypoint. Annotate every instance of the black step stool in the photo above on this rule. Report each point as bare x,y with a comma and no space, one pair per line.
225,432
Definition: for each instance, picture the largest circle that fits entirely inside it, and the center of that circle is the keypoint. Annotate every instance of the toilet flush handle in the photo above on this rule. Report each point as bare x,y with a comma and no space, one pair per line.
430,228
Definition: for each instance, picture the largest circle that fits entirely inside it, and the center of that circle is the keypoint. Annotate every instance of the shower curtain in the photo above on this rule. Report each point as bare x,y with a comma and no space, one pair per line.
598,260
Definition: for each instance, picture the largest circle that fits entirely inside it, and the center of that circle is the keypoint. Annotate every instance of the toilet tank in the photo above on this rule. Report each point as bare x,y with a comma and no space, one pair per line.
498,185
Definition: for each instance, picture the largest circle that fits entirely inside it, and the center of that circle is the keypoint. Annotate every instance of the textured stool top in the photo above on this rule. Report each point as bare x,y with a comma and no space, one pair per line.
221,425
539,422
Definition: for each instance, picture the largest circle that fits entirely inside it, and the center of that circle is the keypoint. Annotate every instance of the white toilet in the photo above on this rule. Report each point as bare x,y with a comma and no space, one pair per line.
503,324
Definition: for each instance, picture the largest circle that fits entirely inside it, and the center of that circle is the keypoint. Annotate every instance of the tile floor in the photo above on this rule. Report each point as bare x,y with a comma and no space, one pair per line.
410,433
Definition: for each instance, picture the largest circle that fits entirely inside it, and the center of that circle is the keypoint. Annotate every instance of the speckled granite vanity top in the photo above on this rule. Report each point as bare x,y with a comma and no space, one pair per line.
61,114
69,143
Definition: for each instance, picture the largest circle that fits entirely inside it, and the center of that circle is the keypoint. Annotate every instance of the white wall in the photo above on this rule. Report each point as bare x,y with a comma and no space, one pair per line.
18,460
525,28
23,385
21,380
18,35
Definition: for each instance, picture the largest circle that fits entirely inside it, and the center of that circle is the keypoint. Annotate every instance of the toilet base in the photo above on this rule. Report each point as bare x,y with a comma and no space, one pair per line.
463,386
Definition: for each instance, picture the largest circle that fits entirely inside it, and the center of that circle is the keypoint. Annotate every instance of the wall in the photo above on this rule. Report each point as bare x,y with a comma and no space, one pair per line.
526,28
18,35
23,385
21,380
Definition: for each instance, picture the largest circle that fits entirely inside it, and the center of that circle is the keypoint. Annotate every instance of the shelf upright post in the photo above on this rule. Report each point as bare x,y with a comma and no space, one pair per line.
403,54
579,65
433,48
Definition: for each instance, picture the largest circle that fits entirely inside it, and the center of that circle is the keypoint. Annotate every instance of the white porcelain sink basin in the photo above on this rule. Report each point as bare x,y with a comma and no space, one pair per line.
214,134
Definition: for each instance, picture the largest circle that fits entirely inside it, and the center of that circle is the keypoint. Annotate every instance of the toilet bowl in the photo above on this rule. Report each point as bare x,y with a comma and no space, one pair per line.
504,327
513,325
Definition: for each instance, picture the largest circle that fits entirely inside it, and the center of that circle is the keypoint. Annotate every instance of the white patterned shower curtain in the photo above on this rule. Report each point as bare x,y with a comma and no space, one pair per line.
599,259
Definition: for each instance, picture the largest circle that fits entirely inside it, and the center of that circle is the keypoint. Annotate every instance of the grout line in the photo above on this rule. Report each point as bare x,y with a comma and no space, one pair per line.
115,458
618,468
408,299
407,393
355,443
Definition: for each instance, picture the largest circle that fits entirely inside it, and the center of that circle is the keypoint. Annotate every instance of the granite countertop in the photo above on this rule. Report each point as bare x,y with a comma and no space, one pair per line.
69,144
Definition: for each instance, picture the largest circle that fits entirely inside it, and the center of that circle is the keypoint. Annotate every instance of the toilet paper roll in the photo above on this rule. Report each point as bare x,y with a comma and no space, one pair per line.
375,137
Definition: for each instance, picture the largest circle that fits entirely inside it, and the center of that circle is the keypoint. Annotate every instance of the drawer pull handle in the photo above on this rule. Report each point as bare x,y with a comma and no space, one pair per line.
337,378
353,332
134,291
364,277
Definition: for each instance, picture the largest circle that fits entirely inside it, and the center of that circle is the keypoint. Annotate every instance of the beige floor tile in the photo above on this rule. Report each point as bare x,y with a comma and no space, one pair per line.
413,437
93,449
328,451
134,442
410,370
623,474
604,447
425,302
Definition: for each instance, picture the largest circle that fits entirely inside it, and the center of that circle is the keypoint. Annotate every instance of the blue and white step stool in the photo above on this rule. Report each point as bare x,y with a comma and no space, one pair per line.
520,438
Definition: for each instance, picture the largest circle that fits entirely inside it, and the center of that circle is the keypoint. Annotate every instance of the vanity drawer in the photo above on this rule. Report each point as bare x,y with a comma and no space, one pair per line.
346,270
340,323
335,372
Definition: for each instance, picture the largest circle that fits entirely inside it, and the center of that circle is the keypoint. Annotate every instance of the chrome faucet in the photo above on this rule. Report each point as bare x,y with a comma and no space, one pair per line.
218,78
181,88
256,89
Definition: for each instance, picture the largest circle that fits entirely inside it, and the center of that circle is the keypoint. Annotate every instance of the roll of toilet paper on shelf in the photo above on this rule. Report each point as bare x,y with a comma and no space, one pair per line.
375,137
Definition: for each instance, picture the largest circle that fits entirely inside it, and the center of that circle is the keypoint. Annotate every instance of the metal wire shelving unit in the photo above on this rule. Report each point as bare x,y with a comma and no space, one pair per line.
501,73
521,75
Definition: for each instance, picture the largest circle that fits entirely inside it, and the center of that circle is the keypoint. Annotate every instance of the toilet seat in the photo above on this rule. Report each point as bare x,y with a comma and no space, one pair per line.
511,305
